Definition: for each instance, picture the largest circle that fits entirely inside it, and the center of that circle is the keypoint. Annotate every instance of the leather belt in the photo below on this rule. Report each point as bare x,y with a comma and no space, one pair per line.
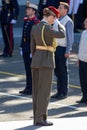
49,48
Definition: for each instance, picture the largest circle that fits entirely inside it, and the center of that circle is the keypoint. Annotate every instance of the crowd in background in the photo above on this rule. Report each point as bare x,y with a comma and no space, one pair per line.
77,10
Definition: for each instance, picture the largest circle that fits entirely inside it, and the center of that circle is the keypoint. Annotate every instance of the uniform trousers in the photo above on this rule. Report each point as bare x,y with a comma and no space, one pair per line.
61,71
83,77
27,63
7,32
41,86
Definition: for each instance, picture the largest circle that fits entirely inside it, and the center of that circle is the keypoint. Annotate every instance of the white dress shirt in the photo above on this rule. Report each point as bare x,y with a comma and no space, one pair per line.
82,54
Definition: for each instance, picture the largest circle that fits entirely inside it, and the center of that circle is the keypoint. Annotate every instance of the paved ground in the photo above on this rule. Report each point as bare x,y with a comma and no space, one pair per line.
16,110
59,124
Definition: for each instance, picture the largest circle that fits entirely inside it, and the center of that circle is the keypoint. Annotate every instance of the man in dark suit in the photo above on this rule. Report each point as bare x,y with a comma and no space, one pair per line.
8,16
46,3
84,9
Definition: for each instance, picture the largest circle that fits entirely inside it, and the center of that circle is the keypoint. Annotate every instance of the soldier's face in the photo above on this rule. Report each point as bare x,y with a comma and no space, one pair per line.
51,19
30,12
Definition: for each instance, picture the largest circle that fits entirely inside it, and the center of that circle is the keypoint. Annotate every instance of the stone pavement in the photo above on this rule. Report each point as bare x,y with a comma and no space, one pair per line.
16,110
59,124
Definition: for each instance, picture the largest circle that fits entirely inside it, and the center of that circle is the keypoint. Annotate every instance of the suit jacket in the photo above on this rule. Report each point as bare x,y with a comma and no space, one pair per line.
43,58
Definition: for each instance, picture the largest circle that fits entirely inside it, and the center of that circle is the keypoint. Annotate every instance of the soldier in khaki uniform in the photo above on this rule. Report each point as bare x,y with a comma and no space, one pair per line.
42,48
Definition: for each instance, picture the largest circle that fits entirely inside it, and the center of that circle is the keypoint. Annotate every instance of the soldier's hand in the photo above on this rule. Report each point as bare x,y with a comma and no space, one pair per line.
60,26
30,55
21,52
13,21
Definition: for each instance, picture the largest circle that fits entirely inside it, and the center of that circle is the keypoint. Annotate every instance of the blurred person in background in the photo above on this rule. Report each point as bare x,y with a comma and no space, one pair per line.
82,57
84,9
8,17
76,12
45,3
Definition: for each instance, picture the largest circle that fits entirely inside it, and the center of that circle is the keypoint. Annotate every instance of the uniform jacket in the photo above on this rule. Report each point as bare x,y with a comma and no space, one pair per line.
43,58
28,23
10,10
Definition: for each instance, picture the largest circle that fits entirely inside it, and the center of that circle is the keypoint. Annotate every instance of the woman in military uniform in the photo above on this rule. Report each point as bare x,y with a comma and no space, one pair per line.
42,49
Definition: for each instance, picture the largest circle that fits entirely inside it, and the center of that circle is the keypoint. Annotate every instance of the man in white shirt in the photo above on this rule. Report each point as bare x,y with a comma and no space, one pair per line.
62,52
82,56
